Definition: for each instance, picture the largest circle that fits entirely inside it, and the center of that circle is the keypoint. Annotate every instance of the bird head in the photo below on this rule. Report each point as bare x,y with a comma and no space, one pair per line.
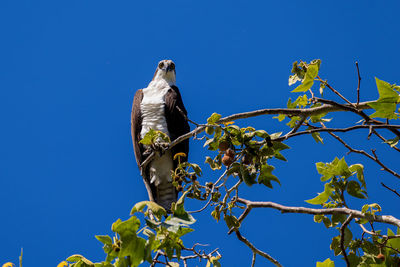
165,71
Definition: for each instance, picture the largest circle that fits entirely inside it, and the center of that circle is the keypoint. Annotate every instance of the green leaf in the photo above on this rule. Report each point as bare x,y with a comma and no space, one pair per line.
248,177
216,213
131,245
322,197
317,137
266,175
318,200
275,135
75,258
364,208
153,136
179,210
231,221
335,245
214,261
213,165
157,209
234,169
279,156
386,91
338,218
383,110
304,86
212,143
327,222
385,106
354,189
279,146
393,142
393,242
318,218
213,118
308,81
209,130
261,133
293,79
359,168
105,239
335,168
280,117
326,263
369,248
348,236
196,168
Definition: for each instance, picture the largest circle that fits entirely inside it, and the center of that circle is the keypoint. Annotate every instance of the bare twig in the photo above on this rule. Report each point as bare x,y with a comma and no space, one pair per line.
298,125
384,140
348,129
253,260
342,229
362,152
391,189
185,116
256,250
384,166
196,255
386,237
211,192
336,92
241,218
155,259
358,86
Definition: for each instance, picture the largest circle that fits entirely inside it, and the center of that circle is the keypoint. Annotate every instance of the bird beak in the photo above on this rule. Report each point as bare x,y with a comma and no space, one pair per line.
168,69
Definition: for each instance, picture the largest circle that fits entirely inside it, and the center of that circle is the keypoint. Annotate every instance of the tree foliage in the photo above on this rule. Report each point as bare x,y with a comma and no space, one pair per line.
241,157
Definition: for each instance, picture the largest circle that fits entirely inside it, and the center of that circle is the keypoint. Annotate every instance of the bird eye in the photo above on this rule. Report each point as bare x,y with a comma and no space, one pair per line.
172,66
161,65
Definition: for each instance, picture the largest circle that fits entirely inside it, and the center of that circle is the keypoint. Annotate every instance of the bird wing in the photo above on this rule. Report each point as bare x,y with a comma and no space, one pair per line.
136,126
176,121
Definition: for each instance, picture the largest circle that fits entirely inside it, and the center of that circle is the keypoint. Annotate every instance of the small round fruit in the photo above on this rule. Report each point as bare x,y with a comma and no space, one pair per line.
227,160
229,152
223,145
381,256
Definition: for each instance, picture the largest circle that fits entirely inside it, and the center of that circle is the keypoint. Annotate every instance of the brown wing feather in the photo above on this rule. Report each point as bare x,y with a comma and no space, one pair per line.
136,126
176,121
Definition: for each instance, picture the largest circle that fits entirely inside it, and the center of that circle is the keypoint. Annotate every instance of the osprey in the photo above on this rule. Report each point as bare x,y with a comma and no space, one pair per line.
160,107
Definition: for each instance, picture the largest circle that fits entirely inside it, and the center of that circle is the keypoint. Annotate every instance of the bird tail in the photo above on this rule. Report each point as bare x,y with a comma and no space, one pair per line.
165,195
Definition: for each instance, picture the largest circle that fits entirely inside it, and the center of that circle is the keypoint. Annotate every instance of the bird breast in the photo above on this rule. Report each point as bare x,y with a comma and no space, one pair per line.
152,109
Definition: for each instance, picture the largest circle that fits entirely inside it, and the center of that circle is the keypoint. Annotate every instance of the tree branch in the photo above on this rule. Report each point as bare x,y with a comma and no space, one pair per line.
355,213
270,111
256,250
358,86
390,189
348,129
336,92
342,228
362,152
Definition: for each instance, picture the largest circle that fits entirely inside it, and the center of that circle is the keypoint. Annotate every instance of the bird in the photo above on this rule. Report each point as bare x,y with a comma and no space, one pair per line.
159,106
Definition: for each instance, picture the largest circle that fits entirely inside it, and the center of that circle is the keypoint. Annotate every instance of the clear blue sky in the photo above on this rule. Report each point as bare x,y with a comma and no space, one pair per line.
68,73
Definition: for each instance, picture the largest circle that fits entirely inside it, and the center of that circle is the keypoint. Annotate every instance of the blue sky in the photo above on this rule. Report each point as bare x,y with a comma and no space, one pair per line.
68,73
